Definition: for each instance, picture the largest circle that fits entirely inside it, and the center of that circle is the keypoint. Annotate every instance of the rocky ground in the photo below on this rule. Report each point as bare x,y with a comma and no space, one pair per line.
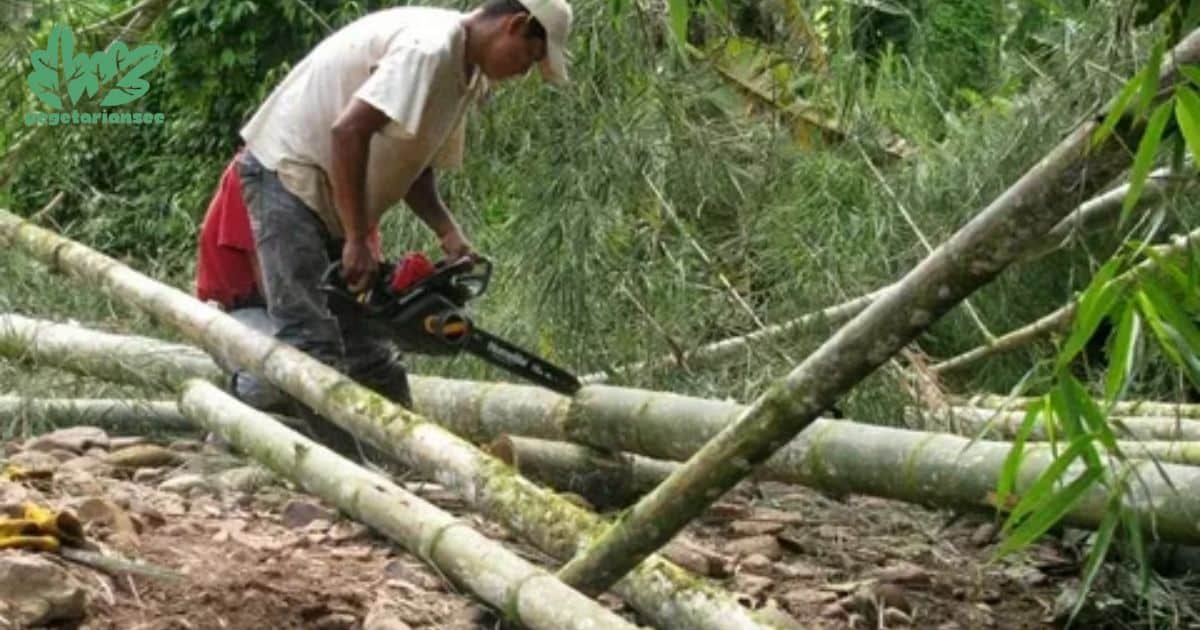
239,549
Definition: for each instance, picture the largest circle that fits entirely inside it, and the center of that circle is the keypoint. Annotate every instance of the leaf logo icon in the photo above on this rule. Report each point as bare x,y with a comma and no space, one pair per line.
59,67
44,80
128,67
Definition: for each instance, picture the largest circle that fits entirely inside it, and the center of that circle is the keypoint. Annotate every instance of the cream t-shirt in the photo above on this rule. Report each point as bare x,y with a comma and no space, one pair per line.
408,62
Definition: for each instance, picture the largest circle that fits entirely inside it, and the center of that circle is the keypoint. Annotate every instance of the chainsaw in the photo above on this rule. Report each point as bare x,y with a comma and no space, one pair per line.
422,307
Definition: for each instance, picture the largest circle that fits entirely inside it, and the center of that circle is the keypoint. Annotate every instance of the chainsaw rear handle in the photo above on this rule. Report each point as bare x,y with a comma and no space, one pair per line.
332,283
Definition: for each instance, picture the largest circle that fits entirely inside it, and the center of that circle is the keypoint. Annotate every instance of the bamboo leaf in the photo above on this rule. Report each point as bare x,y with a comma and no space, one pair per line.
1168,270
1149,83
1191,72
1100,546
1187,112
1177,326
679,11
1049,513
1094,305
1144,160
1081,403
1007,481
1119,106
1040,491
1136,540
1121,354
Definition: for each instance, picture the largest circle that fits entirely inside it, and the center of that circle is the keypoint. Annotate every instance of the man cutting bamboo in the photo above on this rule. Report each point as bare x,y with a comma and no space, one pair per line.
359,125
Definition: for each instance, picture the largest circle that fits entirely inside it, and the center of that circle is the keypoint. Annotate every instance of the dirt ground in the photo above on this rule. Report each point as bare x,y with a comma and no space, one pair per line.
251,552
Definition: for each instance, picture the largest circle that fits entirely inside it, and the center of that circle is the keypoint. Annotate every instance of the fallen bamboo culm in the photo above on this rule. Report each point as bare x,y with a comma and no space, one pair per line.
127,359
119,414
1148,408
663,426
940,471
1060,320
524,593
606,480
1004,425
665,594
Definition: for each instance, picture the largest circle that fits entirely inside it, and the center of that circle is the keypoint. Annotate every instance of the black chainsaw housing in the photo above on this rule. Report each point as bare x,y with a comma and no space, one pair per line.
430,318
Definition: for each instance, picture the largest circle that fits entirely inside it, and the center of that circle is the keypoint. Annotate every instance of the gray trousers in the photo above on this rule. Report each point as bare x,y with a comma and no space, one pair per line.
294,249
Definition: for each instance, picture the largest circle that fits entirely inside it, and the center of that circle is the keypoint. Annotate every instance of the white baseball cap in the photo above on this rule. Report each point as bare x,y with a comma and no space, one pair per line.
554,16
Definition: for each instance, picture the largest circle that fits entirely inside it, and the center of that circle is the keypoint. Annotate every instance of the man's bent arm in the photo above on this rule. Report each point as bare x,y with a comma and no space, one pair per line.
351,144
427,204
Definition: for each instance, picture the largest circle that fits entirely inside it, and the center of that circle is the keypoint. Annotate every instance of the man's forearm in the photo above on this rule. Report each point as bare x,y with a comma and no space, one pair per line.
350,150
427,204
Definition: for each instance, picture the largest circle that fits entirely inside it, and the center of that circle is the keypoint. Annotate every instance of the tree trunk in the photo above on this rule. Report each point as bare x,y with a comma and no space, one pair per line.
1061,319
1121,408
124,415
666,594
999,235
141,361
523,592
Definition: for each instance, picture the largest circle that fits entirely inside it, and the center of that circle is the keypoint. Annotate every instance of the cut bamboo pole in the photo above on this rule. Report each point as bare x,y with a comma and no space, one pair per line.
940,471
1060,320
667,426
1122,408
666,594
120,414
998,424
1102,211
525,593
999,235
606,480
128,359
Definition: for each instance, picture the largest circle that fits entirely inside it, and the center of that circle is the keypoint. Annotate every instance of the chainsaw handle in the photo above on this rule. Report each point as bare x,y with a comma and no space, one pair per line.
333,283
470,263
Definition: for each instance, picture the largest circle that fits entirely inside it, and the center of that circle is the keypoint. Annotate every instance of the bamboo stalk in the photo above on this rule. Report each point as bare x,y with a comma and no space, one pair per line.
1061,319
1102,211
128,359
998,236
663,426
606,480
1121,408
942,471
664,593
638,423
523,592
103,412
998,424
